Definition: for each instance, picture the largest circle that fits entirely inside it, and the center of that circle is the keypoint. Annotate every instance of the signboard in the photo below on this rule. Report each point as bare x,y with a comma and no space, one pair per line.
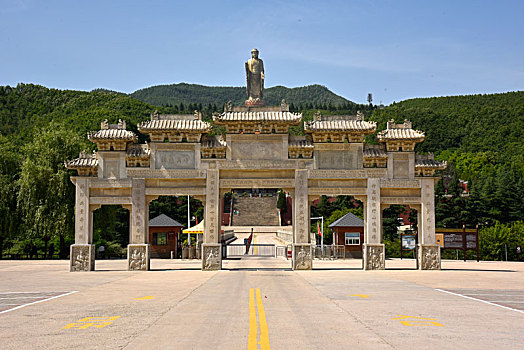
408,242
459,239
453,240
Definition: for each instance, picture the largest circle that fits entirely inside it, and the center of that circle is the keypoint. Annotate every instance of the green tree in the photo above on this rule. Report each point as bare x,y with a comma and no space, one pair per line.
9,172
46,198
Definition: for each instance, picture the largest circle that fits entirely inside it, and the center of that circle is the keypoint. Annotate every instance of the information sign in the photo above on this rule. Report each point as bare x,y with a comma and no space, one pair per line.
408,242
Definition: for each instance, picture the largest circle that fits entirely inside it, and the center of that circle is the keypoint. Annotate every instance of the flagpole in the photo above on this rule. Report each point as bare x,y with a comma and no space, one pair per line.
188,222
322,237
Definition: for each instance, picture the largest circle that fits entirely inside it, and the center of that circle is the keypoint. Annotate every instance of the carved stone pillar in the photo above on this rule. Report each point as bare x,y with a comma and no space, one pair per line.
82,253
428,250
211,247
138,248
373,254
302,257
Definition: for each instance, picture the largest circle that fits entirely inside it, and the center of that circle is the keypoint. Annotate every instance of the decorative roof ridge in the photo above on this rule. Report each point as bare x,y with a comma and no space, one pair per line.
300,144
84,160
195,116
319,117
213,142
253,116
194,125
374,151
402,131
351,125
138,150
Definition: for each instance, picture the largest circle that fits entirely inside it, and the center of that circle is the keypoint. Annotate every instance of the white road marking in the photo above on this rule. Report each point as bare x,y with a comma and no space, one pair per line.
38,301
483,301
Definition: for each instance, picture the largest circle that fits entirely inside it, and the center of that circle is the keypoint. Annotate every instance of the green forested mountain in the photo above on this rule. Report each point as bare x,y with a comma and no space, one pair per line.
26,109
481,138
176,94
491,124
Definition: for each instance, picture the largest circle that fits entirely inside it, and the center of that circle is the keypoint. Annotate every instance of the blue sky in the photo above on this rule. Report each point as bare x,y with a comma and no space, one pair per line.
393,49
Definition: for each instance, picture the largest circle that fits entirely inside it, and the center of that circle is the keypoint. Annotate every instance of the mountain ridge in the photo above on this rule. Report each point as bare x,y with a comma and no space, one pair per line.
185,93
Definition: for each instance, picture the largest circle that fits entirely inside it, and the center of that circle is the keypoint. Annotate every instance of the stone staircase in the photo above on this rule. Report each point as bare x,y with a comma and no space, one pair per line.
256,211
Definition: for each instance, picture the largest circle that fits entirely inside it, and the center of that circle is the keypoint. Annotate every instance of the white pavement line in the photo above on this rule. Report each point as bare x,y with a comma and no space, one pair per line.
30,292
38,301
483,301
25,297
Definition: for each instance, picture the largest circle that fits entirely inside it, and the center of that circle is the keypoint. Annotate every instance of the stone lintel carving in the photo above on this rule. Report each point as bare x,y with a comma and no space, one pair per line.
302,257
347,174
374,257
429,256
82,257
109,183
110,200
399,183
138,257
175,191
166,174
257,183
400,200
261,164
334,146
336,191
211,257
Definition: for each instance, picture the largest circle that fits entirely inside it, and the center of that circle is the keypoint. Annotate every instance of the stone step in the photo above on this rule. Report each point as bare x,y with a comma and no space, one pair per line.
256,211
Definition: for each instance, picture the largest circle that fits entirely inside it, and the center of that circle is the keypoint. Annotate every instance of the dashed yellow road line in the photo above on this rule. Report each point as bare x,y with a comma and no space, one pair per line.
264,333
365,296
145,298
253,326
252,340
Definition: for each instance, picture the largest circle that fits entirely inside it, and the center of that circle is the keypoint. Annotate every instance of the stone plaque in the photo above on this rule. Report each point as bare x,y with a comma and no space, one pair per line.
400,168
336,160
241,150
82,257
175,160
138,257
111,169
211,257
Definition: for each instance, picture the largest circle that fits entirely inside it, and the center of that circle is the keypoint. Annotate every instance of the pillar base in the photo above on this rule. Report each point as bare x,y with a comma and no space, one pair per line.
429,256
302,257
373,257
138,257
82,257
211,256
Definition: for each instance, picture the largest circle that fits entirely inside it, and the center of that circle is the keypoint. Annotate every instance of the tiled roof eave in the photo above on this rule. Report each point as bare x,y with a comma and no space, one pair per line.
333,131
79,163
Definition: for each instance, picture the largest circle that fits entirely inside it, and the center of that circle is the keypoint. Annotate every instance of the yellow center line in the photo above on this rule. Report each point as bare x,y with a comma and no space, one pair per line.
253,327
264,333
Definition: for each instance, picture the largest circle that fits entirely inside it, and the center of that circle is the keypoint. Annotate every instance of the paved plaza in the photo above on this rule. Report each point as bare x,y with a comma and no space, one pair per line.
261,303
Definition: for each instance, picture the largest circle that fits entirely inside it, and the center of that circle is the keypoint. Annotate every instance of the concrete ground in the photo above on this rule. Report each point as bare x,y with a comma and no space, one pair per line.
260,303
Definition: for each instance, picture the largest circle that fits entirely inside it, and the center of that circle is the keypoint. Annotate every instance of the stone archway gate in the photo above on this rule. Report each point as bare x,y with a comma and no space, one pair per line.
256,152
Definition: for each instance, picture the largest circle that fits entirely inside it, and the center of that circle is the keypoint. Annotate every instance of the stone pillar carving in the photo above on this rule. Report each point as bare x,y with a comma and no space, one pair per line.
138,249
211,247
428,250
82,253
373,249
82,257
302,257
138,257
